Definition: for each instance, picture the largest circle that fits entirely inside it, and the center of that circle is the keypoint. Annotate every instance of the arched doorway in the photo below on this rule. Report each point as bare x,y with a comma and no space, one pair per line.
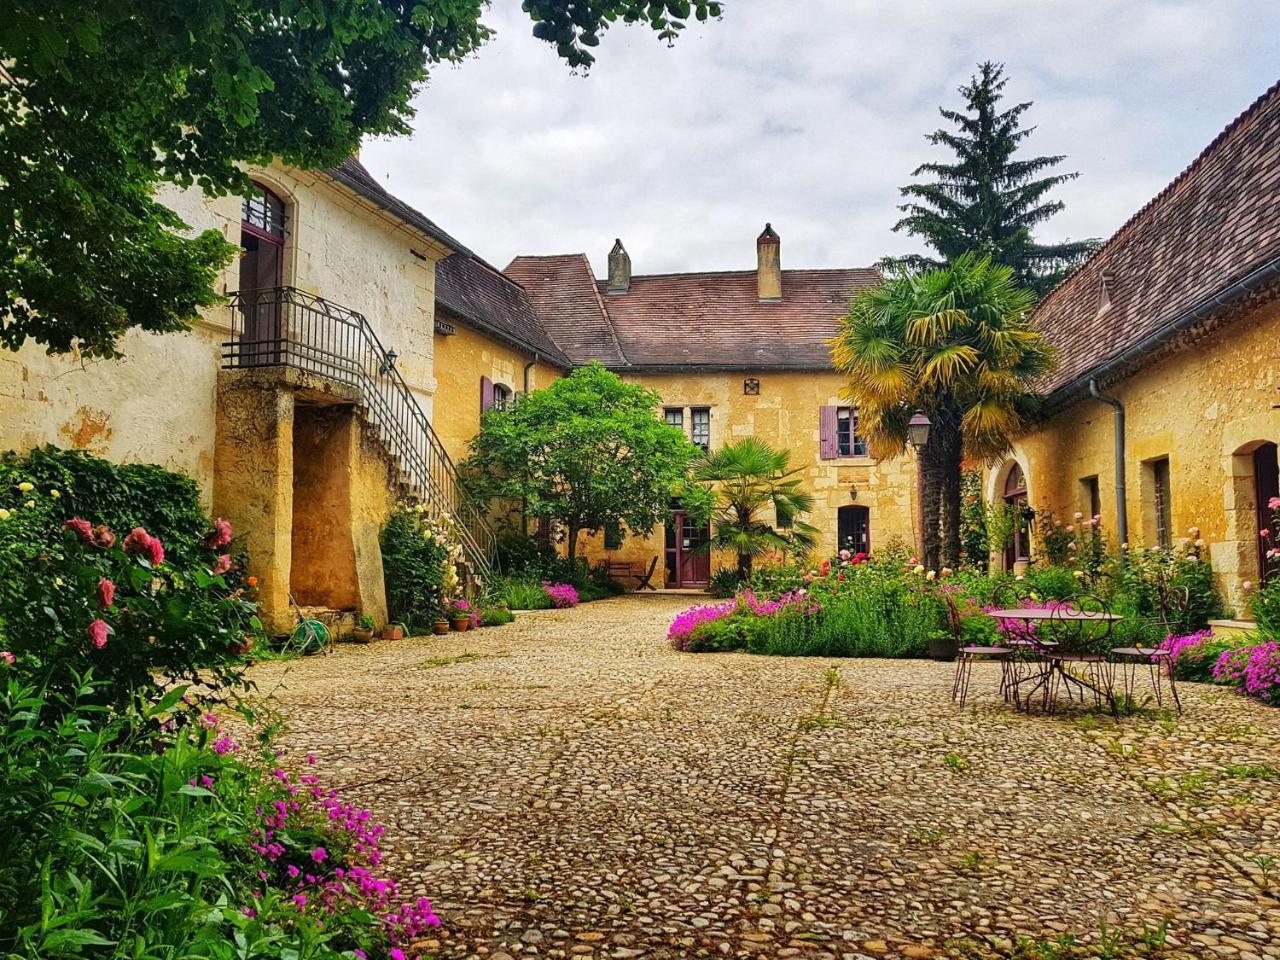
261,276
1018,550
853,528
1266,487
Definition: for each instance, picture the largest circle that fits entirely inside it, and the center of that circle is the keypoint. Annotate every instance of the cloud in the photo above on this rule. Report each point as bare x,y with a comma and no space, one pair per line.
809,115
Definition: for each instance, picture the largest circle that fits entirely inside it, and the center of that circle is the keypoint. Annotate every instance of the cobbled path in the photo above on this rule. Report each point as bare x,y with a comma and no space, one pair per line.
569,786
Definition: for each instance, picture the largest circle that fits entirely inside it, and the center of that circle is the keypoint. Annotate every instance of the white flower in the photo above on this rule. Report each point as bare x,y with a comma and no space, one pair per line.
931,575
1079,515
919,568
1194,531
1200,544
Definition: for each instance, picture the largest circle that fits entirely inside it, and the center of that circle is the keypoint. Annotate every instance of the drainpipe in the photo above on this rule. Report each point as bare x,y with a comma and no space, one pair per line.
1122,510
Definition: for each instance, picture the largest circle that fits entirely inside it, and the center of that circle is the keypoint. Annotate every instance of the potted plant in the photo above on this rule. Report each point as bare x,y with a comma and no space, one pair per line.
394,631
460,615
440,625
363,630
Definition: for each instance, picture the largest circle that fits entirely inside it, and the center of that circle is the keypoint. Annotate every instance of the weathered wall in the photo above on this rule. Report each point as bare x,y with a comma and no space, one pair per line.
158,404
1206,408
323,554
785,415
461,359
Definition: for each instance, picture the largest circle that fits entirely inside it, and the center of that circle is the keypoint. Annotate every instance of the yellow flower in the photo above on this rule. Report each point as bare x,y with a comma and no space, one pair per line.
55,493
919,568
1079,574
57,581
930,575
26,487
30,504
4,514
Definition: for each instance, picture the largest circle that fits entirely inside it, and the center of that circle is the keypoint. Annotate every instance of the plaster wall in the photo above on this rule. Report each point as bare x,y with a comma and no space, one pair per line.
785,415
1206,408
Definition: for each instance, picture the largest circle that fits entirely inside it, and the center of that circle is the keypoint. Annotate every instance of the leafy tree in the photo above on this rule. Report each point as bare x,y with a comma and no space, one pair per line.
746,479
102,103
990,199
957,343
588,452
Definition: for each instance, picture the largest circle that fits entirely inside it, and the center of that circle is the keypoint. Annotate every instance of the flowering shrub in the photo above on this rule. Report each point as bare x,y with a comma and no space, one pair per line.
1194,655
561,594
681,630
1254,670
141,611
419,558
180,839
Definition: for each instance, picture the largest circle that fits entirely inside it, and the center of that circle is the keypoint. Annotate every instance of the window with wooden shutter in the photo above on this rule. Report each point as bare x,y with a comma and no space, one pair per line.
486,394
827,433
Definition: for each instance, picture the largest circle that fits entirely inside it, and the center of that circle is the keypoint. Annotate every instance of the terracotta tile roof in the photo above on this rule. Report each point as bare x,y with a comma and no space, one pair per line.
689,319
717,319
353,175
1217,223
563,291
479,294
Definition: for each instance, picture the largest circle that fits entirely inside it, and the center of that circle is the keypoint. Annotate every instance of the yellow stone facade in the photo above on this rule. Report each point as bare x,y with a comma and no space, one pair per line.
1205,408
785,415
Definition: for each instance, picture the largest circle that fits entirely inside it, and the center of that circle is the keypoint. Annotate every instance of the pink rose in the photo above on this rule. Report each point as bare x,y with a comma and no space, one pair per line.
7,658
220,535
98,631
155,552
1274,503
221,565
103,536
106,592
82,528
137,541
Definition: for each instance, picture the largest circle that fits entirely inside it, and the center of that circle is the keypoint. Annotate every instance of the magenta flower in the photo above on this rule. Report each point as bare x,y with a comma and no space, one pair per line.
319,855
106,592
98,631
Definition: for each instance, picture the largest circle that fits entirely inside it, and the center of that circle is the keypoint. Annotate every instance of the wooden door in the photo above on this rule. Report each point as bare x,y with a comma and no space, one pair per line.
854,529
688,562
1266,485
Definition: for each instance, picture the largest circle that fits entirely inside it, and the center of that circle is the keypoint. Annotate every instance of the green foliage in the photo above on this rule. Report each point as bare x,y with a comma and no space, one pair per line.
724,583
104,103
958,344
521,594
745,481
496,616
974,545
117,829
417,567
1265,604
142,609
1149,584
533,558
587,452
1049,582
989,200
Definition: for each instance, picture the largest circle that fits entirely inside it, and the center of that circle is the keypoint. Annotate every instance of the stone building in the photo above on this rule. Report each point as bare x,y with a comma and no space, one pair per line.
1164,411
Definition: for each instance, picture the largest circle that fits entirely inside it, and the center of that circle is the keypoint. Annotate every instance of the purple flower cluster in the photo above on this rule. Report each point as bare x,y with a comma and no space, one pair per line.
1187,646
792,600
1022,631
1253,670
561,594
683,626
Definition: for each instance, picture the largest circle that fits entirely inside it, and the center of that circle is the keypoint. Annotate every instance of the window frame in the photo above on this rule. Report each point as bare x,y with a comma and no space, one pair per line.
697,428
849,443
674,417
1162,501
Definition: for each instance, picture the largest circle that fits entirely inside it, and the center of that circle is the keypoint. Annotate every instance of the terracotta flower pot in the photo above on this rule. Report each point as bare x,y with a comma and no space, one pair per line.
362,634
460,623
440,626
393,631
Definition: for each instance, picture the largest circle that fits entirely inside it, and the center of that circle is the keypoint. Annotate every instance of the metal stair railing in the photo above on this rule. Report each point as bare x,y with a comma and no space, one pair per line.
284,326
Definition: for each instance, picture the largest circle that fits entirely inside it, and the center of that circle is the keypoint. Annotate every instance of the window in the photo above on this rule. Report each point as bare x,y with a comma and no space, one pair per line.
848,443
264,211
674,416
700,419
1161,503
501,396
1015,497
612,536
751,387
1090,496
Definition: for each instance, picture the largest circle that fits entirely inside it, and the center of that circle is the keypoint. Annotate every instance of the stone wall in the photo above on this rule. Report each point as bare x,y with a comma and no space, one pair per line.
1206,408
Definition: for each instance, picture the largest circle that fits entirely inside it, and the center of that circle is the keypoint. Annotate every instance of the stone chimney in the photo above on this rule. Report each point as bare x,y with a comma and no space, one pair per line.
619,269
769,266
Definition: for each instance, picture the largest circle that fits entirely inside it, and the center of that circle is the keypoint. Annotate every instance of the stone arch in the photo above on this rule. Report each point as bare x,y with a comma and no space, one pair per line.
1235,557
998,479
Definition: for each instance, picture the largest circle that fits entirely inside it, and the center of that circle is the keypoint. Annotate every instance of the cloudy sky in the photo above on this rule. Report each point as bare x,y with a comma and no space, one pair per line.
809,114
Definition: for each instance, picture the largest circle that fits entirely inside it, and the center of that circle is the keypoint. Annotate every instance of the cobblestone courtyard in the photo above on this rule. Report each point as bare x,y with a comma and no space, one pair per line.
568,786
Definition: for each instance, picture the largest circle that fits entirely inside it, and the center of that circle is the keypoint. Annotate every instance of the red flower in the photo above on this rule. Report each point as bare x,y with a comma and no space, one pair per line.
155,552
220,535
98,631
137,541
83,529
106,592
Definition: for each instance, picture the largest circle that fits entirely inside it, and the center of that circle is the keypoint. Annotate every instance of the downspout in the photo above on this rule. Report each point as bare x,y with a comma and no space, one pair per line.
524,520
1122,509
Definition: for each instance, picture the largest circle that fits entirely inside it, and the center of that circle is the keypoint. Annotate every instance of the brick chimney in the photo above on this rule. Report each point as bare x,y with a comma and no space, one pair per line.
619,269
769,266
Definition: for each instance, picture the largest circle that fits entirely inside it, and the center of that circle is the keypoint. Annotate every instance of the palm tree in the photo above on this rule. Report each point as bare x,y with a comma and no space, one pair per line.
744,480
957,343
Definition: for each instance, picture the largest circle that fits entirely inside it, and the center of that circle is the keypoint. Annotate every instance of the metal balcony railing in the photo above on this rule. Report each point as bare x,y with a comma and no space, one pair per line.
283,326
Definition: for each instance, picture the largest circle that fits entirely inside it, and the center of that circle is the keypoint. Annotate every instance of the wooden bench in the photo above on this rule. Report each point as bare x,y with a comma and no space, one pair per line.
643,576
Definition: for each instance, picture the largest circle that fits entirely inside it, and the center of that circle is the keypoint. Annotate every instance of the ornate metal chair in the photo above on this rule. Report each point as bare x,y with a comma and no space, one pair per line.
1079,659
968,655
1172,605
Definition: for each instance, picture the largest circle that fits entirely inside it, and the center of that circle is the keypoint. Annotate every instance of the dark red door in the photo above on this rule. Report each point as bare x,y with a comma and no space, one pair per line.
1266,485
688,560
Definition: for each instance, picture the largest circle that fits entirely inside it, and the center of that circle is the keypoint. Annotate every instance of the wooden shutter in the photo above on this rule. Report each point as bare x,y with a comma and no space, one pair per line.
827,432
486,395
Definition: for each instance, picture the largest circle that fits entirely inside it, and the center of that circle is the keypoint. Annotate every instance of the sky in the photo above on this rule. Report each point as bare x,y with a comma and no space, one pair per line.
809,114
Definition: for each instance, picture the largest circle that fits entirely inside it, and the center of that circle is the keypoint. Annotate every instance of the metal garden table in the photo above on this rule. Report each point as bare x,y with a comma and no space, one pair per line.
1070,644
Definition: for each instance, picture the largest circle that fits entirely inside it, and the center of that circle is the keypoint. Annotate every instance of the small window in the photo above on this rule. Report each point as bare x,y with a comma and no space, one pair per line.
612,536
1090,496
1161,502
264,211
501,396
848,443
751,387
700,434
674,416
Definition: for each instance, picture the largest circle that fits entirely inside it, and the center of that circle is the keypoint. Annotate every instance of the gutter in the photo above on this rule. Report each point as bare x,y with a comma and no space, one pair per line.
1253,281
1122,501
